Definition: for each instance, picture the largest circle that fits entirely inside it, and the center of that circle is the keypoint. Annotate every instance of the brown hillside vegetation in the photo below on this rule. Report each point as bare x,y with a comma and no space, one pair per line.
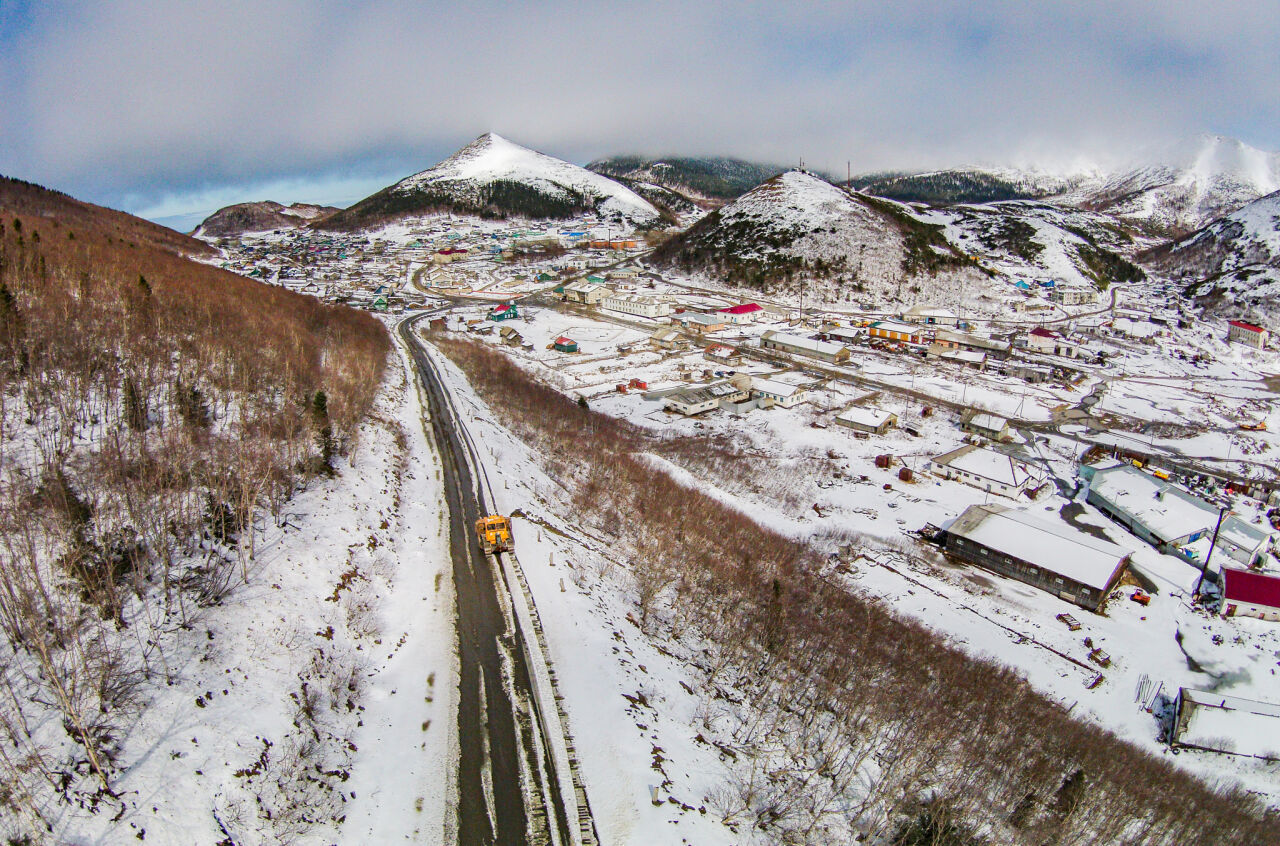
24,198
150,409
862,724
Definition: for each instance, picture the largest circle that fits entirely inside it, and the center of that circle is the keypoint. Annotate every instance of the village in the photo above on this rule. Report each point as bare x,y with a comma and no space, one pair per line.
1085,482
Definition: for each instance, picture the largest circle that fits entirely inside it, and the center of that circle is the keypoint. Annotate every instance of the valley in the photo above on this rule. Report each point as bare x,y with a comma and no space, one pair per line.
739,431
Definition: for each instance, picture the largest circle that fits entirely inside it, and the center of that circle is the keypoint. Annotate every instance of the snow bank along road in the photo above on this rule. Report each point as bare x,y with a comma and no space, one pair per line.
508,789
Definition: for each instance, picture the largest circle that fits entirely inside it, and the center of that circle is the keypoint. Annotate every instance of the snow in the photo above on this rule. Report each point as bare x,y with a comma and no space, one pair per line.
491,158
388,631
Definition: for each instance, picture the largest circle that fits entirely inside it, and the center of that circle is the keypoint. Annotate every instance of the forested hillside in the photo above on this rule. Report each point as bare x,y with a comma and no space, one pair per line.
151,410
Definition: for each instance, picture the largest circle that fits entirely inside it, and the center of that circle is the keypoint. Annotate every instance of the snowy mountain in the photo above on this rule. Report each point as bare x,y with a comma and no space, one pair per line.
260,217
1182,188
798,230
710,180
1233,264
493,177
1169,191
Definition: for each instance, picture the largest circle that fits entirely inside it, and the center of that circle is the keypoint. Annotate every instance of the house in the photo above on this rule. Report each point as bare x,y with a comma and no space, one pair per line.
989,426
1218,723
963,340
968,358
1244,542
449,254
1246,333
800,345
1026,371
889,330
1248,593
1071,295
693,401
702,324
510,336
930,316
505,311
871,421
585,291
1048,554
841,335
565,344
768,392
988,470
1161,514
637,304
744,313
1048,342
666,338
723,354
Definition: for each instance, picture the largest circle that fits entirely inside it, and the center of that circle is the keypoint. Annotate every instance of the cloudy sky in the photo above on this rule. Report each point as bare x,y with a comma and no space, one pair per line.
172,108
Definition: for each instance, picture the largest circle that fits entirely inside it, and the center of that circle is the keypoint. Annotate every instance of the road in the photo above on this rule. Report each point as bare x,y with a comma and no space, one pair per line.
506,792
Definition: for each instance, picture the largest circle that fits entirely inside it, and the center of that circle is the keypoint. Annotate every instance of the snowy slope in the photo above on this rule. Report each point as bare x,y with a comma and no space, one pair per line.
494,177
1234,261
1034,240
1185,187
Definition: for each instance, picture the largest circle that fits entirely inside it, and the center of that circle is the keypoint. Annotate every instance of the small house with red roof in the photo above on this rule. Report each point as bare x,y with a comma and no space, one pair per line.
1046,341
1248,593
1246,333
742,313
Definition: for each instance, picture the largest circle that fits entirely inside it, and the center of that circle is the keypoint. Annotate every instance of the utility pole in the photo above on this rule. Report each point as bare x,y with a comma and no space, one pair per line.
1222,512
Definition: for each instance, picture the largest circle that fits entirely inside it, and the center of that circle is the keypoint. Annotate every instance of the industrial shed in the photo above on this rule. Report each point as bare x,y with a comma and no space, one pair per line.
1049,555
694,401
1161,514
1217,723
800,345
988,470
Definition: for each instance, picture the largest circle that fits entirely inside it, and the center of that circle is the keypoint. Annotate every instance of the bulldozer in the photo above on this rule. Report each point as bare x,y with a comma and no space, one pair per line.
494,533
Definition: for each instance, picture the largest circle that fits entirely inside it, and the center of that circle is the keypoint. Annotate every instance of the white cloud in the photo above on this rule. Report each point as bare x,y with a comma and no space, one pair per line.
130,102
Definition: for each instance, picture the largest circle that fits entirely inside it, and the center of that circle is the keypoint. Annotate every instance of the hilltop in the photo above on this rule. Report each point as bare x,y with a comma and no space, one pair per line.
495,178
260,217
799,230
30,200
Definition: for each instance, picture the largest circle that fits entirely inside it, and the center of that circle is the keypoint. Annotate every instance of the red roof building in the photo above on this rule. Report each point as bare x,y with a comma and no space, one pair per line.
1247,333
1250,594
744,313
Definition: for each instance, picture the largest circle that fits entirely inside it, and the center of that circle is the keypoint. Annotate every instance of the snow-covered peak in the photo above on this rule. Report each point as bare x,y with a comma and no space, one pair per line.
492,158
795,198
